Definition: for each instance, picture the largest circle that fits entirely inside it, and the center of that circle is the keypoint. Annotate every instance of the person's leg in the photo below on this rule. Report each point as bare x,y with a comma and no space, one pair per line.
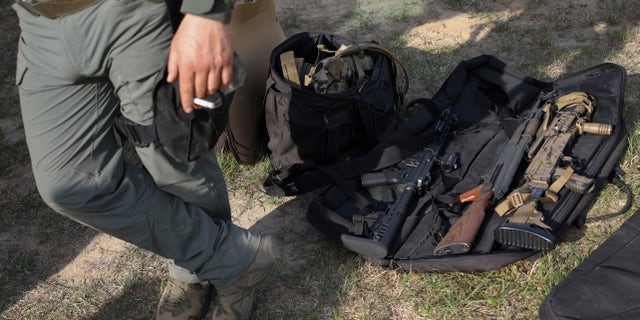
185,293
68,104
255,31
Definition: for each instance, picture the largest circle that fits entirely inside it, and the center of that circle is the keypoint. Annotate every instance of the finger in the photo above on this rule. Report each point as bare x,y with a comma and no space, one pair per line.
227,75
186,92
172,68
219,80
200,84
213,82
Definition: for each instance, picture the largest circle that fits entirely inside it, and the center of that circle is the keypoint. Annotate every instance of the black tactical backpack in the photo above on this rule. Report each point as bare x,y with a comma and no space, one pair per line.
328,100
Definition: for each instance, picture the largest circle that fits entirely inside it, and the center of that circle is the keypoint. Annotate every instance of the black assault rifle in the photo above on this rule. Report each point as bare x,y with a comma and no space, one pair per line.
379,238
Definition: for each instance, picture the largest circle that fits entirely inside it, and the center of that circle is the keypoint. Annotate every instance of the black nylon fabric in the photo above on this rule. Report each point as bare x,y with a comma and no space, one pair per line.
187,136
184,136
604,286
308,129
490,100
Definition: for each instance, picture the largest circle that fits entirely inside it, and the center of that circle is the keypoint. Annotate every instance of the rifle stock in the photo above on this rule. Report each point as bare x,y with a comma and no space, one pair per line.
461,236
385,233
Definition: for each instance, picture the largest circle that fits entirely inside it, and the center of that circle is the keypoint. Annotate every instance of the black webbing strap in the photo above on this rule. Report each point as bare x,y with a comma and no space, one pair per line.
139,135
616,180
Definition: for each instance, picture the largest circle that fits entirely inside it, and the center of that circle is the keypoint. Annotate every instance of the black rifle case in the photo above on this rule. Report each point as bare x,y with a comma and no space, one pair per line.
605,285
489,101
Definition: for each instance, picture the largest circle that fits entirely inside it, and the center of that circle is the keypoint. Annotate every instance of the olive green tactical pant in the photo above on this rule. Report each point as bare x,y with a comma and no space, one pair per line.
74,74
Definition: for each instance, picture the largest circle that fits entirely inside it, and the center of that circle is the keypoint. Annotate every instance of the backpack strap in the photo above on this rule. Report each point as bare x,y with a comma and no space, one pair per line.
413,135
316,177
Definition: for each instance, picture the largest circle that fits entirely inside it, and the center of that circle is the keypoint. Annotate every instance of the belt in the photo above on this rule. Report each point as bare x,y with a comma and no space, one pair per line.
53,9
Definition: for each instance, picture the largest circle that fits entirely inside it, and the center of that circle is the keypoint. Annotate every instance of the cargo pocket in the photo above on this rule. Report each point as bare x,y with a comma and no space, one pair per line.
134,79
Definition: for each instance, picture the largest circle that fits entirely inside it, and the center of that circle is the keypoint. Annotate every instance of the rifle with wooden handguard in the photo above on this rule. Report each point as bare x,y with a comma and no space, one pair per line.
495,186
545,176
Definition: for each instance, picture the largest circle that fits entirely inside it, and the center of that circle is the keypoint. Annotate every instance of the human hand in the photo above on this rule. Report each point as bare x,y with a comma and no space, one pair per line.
201,56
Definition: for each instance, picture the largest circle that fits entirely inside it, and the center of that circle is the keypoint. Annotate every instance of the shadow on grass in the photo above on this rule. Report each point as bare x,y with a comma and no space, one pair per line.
36,243
137,301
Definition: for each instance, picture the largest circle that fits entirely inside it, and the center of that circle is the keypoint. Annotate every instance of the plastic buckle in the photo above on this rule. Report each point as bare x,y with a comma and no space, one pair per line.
516,199
28,5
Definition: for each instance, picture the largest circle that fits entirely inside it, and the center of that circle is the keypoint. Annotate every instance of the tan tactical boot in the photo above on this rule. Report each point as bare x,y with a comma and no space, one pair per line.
236,301
184,301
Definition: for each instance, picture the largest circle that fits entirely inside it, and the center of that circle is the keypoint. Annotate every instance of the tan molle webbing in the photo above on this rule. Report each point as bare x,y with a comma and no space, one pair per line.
529,215
548,108
522,195
577,98
514,200
556,186
290,66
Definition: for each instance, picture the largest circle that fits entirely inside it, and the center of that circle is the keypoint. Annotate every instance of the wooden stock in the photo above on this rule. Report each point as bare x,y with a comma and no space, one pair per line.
461,236
467,196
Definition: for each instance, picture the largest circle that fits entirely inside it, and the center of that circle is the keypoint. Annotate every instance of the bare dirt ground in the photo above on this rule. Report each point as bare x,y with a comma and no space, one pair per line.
57,253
